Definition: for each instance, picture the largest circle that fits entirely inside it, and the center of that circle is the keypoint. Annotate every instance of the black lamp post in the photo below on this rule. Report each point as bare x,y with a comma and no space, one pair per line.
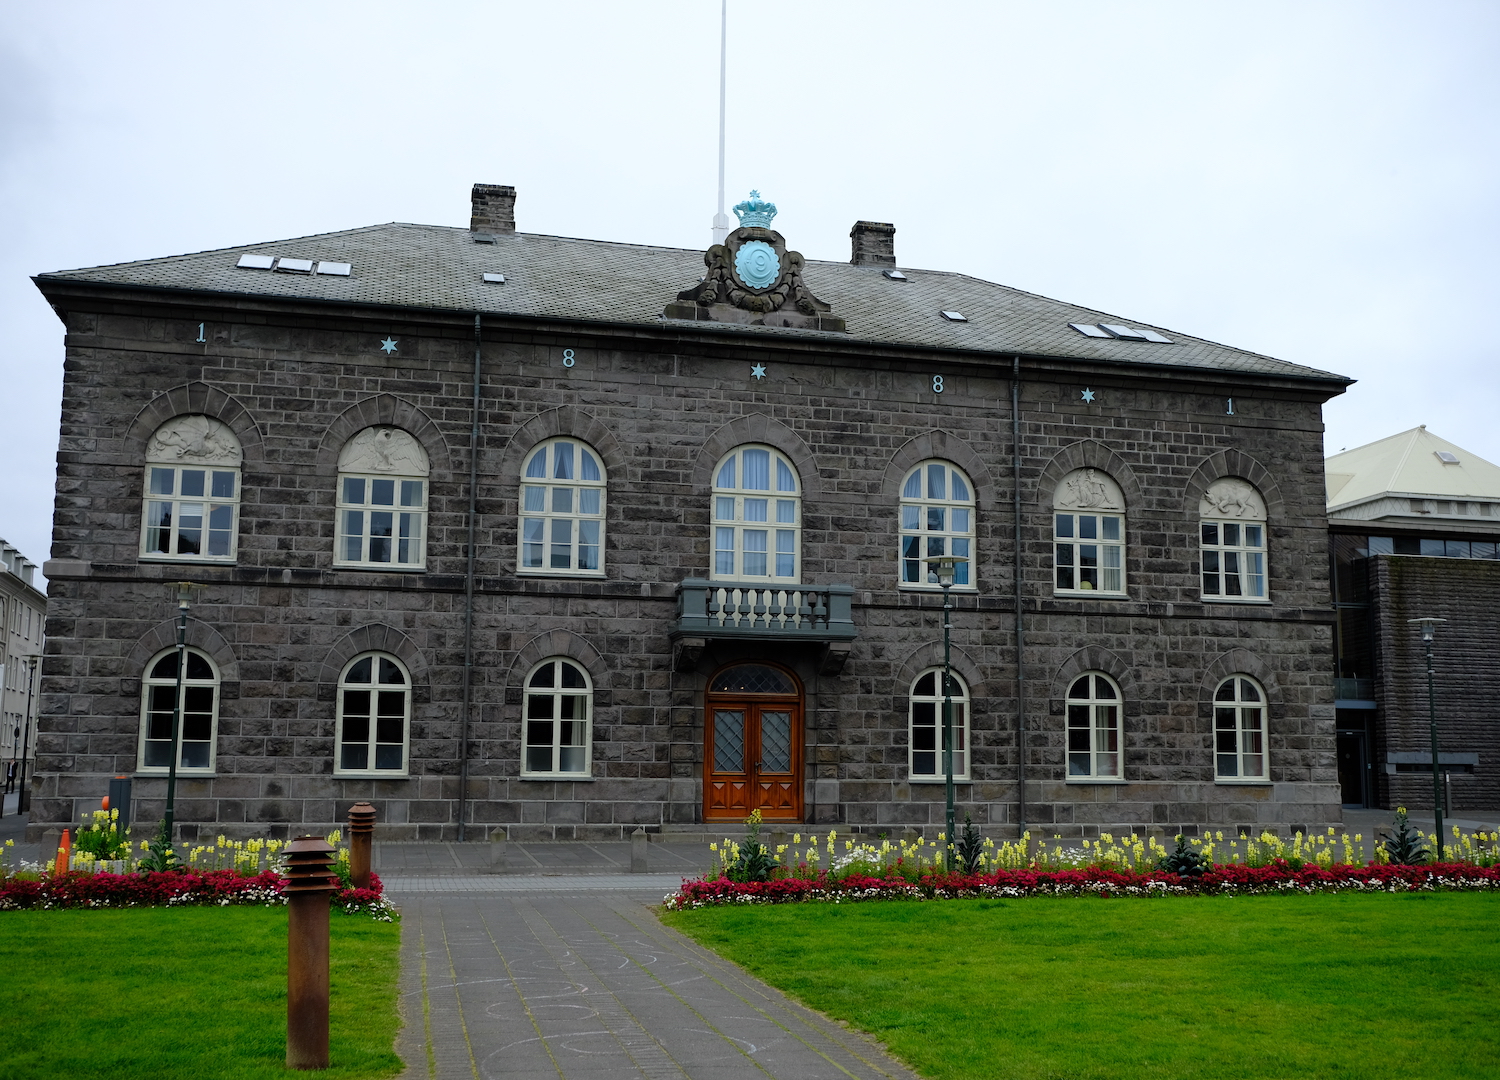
23,800
943,568
184,591
1429,627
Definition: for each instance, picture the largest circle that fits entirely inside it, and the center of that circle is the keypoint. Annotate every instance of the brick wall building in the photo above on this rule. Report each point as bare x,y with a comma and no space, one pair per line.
704,485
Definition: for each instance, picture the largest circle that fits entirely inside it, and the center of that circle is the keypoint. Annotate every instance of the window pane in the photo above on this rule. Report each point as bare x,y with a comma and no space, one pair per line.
937,486
786,511
1064,525
223,485
162,481
588,545
784,478
388,755
389,729
539,758
1210,534
544,677
165,668
562,500
359,672
531,541
571,676
197,667
1253,536
755,552
390,674
356,729
724,508
913,486
536,468
1231,534
786,556
355,756
755,509
354,490
726,474
911,517
381,524
588,501
159,527
590,467
534,500
411,493
1111,528
757,465
158,753
723,551
1088,527
562,543
936,516
960,519
562,461
192,483
960,489
572,758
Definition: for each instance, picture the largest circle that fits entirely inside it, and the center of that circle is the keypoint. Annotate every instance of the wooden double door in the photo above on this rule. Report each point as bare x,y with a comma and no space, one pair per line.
752,736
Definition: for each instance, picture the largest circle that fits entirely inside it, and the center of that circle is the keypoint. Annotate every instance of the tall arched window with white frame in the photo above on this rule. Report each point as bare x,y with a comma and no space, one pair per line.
925,754
374,717
197,732
557,730
937,518
382,501
757,517
1232,532
562,510
1095,716
192,492
1089,535
1240,730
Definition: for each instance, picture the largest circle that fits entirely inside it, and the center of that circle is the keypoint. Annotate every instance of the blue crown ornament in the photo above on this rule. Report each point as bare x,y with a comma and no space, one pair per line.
755,212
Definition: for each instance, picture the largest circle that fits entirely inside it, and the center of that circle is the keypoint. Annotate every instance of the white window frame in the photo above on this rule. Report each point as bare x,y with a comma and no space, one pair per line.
206,450
408,518
1232,532
751,524
1241,731
1094,730
373,742
945,522
554,700
169,683
922,703
540,525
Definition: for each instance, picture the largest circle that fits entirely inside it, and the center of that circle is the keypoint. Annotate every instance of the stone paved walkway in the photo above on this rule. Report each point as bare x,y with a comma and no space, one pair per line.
537,978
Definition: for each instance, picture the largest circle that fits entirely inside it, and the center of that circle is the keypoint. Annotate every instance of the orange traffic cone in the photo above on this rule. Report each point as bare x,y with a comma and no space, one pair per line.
64,852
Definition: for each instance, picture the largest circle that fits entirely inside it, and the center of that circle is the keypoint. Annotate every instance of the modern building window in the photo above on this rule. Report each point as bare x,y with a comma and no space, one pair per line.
374,717
382,501
1240,730
1094,723
926,716
1232,531
558,721
1089,534
192,490
937,518
196,735
757,517
562,510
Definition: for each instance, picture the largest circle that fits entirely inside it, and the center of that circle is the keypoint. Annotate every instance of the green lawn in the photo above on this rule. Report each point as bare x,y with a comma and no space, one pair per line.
1346,986
191,993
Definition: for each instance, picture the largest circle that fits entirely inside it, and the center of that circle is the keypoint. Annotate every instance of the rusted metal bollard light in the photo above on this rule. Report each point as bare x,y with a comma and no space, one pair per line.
361,833
310,883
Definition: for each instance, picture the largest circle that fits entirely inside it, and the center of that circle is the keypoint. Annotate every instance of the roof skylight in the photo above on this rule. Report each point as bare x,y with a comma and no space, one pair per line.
494,279
1123,332
255,262
294,266
337,269
1446,457
894,275
955,316
1088,329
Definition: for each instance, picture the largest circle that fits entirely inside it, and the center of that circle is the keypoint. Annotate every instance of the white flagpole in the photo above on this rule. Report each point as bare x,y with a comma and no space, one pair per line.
721,219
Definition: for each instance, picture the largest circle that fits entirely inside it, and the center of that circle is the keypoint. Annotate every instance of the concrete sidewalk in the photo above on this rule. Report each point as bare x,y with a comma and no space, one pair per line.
553,978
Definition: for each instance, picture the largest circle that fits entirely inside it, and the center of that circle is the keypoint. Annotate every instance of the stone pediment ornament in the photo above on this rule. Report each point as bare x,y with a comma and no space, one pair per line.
384,450
1231,498
194,440
754,280
1088,489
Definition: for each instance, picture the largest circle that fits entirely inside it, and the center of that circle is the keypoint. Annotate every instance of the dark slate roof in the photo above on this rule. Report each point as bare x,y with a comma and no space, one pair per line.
429,266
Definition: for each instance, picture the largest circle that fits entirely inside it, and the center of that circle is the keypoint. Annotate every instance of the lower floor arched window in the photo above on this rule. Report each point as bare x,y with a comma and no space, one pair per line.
1239,730
198,728
1094,728
557,729
926,720
374,717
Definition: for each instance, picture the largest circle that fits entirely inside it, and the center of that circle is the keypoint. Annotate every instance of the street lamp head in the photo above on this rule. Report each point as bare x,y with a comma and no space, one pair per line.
183,592
944,567
1428,626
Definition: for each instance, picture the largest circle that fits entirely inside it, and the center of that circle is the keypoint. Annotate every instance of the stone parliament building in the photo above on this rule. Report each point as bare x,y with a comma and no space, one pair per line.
521,535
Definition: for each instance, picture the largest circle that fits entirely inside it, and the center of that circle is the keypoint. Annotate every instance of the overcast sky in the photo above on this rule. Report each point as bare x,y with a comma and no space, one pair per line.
1315,181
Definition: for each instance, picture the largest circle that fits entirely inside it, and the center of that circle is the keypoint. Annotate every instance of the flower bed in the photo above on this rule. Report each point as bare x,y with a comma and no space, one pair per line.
215,888
1221,880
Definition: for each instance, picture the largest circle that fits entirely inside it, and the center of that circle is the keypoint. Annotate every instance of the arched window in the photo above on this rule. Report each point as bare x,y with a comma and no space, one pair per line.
937,518
1233,532
757,517
562,510
197,735
557,730
1089,525
374,717
926,749
192,492
382,501
1239,730
1094,728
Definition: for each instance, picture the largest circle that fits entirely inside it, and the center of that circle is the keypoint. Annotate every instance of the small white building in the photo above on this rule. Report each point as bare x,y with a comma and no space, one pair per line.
23,615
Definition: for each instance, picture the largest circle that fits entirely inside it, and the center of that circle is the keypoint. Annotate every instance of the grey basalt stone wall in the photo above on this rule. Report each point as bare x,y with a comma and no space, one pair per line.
282,621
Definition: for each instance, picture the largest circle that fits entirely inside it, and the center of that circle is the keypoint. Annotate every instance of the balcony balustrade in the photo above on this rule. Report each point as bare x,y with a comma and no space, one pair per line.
754,611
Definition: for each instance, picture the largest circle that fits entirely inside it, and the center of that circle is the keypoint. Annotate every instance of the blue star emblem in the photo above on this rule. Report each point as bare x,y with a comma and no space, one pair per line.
758,371
388,346
1088,395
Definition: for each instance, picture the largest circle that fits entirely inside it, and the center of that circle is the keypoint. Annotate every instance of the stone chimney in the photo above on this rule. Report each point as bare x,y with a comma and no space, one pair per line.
874,243
492,209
